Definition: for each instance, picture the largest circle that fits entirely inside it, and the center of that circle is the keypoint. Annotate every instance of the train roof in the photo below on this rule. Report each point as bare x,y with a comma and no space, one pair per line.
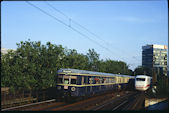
143,76
68,70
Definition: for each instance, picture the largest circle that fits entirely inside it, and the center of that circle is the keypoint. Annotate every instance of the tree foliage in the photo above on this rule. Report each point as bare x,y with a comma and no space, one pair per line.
34,65
143,71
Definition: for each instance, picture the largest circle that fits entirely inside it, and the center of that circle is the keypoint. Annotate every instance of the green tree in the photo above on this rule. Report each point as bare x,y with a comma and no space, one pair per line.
75,60
140,70
6,75
115,67
93,60
31,66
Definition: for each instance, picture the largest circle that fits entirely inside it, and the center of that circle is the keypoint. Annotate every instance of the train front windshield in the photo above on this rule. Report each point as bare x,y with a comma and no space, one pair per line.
140,79
67,79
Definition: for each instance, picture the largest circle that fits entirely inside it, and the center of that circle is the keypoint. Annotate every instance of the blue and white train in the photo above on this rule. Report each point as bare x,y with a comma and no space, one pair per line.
77,83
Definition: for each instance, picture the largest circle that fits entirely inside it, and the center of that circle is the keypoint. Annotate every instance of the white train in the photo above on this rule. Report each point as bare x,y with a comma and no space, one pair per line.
142,82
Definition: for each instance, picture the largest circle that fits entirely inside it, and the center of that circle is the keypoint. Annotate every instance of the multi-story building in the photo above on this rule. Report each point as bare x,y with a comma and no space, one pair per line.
155,57
168,62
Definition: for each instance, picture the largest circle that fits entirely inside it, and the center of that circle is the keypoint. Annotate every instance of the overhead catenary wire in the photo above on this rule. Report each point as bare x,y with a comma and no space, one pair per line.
73,21
46,13
69,27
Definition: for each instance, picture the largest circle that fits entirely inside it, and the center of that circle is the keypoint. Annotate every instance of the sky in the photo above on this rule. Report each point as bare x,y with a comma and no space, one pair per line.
122,27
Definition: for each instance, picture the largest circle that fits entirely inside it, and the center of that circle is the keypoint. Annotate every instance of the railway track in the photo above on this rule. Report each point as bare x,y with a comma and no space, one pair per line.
46,107
29,106
118,101
138,103
94,103
124,100
114,103
134,102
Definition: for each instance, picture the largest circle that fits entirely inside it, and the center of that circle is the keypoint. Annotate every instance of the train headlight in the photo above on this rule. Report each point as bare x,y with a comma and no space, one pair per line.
59,87
73,89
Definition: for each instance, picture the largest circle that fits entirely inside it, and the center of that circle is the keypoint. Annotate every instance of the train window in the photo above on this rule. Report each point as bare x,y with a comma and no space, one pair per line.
90,80
113,79
122,80
140,79
110,80
126,79
105,80
100,80
97,80
66,81
85,80
73,81
117,80
94,81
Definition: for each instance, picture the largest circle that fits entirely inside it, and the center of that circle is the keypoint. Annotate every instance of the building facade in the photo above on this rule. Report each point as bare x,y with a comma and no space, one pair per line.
168,62
155,57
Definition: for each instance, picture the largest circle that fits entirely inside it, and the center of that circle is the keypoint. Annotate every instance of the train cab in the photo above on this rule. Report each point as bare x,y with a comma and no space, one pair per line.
142,82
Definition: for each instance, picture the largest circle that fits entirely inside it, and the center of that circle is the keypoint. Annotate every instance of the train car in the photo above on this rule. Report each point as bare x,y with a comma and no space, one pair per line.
142,82
77,83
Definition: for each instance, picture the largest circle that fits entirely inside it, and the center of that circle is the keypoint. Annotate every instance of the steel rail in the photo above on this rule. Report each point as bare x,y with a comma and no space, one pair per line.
135,104
120,105
46,107
28,105
114,100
